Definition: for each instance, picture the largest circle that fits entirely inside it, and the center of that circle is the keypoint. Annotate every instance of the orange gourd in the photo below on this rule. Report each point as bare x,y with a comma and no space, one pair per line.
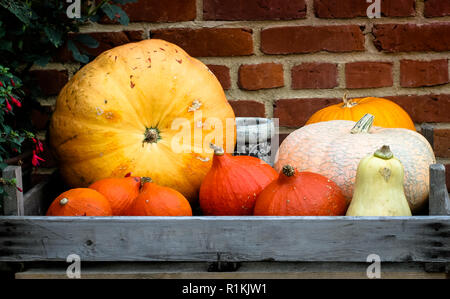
300,194
145,108
387,113
233,183
155,200
120,192
335,148
80,202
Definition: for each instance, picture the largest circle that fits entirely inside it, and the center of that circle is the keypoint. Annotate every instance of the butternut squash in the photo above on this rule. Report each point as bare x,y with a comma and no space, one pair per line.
379,186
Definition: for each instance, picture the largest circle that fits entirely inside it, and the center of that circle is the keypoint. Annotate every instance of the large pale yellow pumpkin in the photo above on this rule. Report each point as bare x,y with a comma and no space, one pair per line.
335,148
144,108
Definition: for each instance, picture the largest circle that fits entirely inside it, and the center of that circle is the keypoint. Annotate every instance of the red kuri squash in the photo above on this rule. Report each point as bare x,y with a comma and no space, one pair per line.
233,183
120,192
300,194
155,200
80,202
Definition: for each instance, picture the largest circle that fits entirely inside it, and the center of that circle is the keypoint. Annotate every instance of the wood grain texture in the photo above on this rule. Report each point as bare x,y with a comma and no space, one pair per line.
250,270
313,239
13,198
439,203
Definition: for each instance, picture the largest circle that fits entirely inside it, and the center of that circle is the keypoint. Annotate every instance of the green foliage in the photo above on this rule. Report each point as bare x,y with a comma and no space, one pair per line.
33,32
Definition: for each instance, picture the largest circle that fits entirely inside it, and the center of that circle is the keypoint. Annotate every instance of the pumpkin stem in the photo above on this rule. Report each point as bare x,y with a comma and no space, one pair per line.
288,170
145,179
363,125
384,153
63,201
151,135
218,150
347,103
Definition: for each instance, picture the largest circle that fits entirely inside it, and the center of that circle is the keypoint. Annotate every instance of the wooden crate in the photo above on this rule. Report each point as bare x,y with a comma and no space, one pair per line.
223,247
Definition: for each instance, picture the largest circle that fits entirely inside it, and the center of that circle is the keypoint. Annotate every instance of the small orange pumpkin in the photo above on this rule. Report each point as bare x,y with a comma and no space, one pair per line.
120,192
80,202
300,194
155,200
387,113
233,183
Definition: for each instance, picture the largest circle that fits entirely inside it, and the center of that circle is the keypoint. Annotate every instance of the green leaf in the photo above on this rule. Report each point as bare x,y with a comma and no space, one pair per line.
20,9
87,40
54,36
76,53
6,46
43,60
116,13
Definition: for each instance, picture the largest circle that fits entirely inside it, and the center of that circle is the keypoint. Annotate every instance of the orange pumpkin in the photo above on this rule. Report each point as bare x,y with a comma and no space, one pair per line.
335,148
120,192
387,113
300,194
155,200
80,202
145,108
233,183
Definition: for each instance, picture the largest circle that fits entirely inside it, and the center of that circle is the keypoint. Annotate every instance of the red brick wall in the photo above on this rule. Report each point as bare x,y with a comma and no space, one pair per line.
287,59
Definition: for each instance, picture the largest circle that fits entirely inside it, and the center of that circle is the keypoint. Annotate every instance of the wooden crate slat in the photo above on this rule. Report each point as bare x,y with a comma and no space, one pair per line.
439,203
13,198
333,239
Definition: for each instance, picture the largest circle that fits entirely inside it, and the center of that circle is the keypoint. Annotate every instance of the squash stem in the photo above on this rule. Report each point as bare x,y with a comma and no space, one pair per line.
151,135
363,125
384,153
288,170
218,151
347,103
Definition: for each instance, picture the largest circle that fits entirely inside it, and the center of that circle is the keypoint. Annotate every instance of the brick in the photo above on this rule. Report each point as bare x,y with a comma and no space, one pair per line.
158,11
310,39
296,112
281,137
331,9
368,74
441,140
206,42
247,108
253,10
106,40
40,118
425,108
415,73
222,73
50,81
314,75
411,37
436,8
260,76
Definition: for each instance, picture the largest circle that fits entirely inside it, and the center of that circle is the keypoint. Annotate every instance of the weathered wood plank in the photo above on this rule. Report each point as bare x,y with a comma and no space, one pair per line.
321,239
439,201
13,199
34,201
427,131
259,270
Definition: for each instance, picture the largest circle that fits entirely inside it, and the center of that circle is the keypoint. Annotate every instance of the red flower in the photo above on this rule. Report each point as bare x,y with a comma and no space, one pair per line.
1,84
39,147
12,83
20,189
8,105
15,101
35,160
